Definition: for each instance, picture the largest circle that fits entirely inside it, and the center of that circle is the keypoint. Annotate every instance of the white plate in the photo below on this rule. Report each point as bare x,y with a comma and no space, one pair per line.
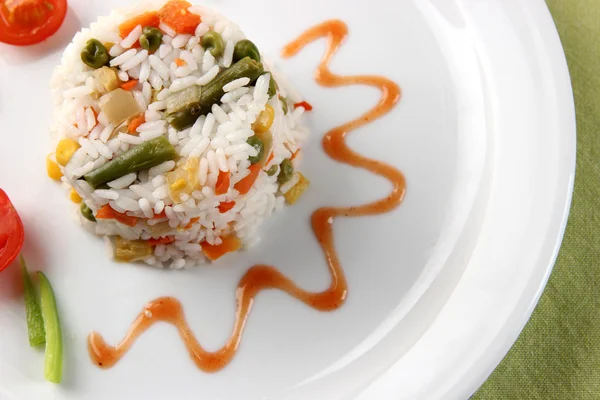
439,288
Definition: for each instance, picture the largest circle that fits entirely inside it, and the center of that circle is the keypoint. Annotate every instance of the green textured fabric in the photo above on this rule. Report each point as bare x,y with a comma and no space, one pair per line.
557,355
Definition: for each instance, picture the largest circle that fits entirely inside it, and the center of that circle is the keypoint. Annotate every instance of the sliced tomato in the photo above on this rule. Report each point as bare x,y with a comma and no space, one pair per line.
25,22
12,234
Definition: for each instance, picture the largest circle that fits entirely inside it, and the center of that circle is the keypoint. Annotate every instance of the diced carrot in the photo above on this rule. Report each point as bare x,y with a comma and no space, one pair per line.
304,104
129,85
161,215
179,62
214,252
295,154
95,117
146,19
135,123
107,212
271,156
246,184
162,240
223,182
225,206
175,14
191,223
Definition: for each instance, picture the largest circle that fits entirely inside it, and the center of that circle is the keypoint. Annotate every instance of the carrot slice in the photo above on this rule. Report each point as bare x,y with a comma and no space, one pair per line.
304,104
271,157
135,123
223,181
162,240
214,252
146,19
161,215
107,212
226,206
192,222
129,85
246,184
175,14
179,62
95,117
295,154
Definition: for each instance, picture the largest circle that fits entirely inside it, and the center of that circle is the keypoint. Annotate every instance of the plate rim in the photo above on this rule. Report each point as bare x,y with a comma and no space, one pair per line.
563,77
473,376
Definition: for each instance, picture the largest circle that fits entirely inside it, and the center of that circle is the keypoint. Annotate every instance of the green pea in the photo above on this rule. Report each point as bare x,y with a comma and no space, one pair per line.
260,148
273,170
286,172
272,86
86,212
245,48
94,54
151,38
284,105
213,42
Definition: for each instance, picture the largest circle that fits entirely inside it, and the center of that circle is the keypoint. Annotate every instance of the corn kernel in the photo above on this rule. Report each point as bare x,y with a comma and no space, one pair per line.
75,197
183,179
265,120
179,184
53,169
131,250
65,150
294,194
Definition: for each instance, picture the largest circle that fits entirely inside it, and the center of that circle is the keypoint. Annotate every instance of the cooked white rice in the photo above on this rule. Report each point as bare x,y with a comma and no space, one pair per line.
216,141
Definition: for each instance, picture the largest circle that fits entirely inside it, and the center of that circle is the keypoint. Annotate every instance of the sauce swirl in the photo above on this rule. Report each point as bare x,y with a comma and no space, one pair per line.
262,277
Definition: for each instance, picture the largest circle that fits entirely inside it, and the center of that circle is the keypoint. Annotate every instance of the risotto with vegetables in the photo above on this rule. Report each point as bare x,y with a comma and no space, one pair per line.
172,134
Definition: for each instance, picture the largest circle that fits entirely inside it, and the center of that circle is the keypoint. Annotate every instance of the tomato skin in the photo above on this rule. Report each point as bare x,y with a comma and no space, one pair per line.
12,233
27,22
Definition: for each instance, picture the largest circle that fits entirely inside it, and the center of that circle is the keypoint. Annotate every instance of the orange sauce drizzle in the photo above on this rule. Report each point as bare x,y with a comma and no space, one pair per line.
262,277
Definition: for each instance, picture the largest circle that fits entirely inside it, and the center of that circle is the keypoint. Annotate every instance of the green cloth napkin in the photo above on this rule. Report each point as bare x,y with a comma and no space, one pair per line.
557,355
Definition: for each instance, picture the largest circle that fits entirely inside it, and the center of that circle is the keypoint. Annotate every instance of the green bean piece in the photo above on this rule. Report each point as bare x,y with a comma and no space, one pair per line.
151,38
94,54
284,105
87,212
245,48
213,91
213,42
244,68
35,322
286,172
259,146
273,170
144,156
184,99
53,360
184,119
272,86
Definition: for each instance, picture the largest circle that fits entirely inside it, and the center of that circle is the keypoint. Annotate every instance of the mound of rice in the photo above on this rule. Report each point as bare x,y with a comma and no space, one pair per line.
211,197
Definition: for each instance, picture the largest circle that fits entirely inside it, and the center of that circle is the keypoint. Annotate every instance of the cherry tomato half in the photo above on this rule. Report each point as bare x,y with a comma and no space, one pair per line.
25,22
11,232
